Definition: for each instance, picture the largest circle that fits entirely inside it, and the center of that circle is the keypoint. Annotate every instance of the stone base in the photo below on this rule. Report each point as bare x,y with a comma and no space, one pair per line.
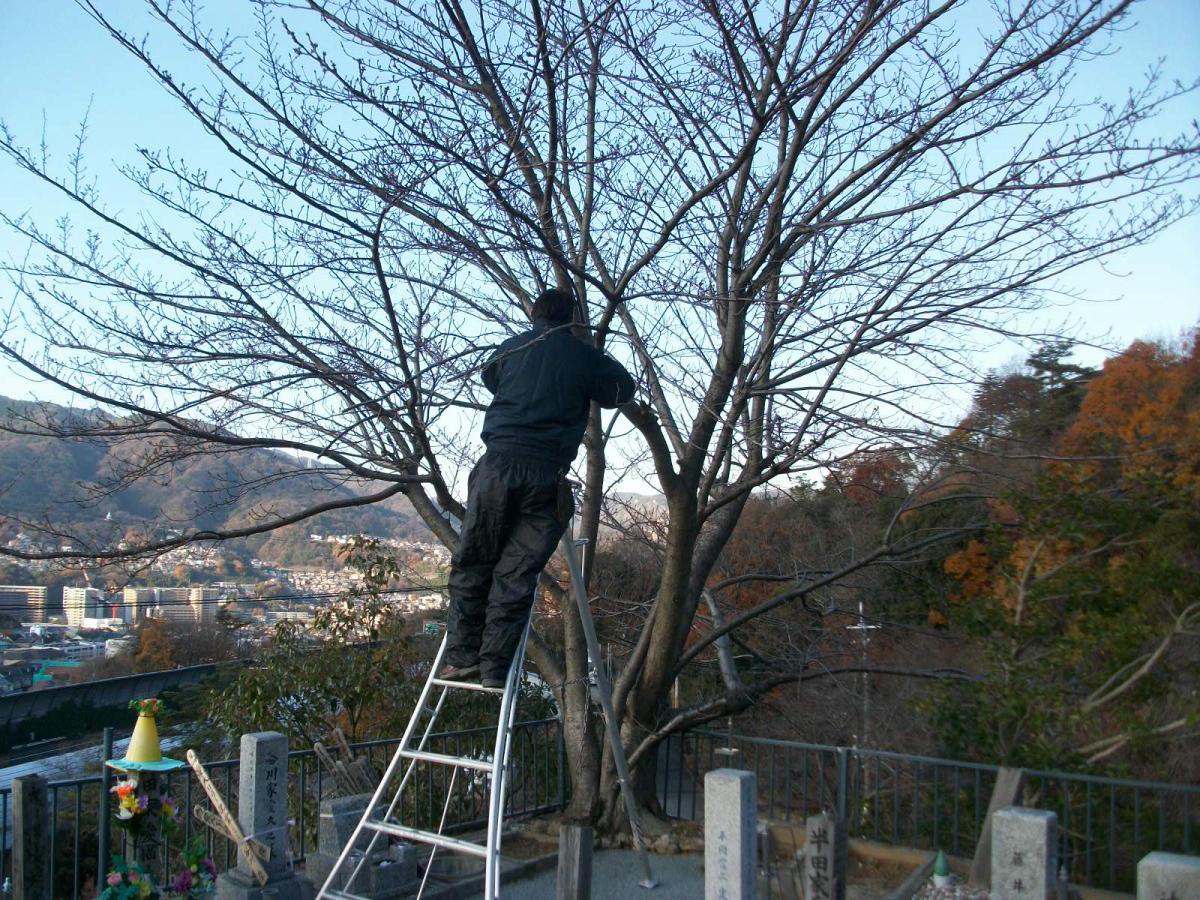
1168,876
238,885
384,874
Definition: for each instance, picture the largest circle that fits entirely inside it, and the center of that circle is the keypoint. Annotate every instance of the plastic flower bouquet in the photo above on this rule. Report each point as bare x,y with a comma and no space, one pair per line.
128,881
198,878
148,707
131,806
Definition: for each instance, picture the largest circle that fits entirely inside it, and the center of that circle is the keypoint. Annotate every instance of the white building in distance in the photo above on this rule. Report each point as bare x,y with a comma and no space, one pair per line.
81,603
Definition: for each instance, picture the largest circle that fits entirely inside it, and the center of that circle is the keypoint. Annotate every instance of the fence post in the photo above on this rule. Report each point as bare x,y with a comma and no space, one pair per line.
843,777
31,865
103,850
562,766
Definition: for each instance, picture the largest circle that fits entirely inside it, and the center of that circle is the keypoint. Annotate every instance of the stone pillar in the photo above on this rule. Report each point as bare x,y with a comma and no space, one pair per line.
1168,876
31,839
148,844
262,814
1006,792
825,847
730,831
262,796
1024,854
574,861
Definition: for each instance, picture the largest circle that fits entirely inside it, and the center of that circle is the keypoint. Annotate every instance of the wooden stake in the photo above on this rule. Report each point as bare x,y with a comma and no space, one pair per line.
217,824
232,829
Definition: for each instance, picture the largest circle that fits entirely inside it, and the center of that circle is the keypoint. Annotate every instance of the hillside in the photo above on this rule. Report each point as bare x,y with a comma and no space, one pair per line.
64,483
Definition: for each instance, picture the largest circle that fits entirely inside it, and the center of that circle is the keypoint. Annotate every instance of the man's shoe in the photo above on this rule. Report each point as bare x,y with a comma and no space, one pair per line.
496,684
458,673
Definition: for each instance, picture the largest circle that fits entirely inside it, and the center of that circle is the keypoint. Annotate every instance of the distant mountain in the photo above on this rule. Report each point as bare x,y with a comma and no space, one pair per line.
68,481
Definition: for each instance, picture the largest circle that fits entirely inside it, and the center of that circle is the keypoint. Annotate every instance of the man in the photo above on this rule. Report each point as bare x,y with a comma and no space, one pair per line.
518,501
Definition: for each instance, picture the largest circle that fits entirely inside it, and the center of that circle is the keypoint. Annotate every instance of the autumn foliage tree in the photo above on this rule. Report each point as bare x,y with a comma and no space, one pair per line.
1083,594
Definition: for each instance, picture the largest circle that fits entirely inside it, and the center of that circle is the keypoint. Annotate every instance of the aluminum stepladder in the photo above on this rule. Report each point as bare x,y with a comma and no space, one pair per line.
498,773
404,764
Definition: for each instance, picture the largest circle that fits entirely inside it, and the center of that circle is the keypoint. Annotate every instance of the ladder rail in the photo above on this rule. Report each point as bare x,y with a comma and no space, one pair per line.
508,709
604,692
497,780
388,775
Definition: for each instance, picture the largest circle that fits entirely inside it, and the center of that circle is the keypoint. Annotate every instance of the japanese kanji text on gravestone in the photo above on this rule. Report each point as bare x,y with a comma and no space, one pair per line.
824,858
1024,854
262,814
730,831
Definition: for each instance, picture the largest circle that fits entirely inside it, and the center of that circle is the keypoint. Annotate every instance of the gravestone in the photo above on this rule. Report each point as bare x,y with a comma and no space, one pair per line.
825,845
1024,854
574,861
1006,792
383,872
31,838
262,815
1168,876
730,831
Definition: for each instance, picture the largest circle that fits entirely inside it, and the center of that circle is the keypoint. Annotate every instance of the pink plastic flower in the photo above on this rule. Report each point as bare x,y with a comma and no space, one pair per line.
113,879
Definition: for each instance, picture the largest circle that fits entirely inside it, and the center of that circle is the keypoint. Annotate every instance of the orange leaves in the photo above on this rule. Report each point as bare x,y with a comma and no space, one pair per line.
1145,409
867,478
972,567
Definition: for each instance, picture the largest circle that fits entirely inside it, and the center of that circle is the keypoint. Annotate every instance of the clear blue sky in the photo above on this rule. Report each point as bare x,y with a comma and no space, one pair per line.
57,62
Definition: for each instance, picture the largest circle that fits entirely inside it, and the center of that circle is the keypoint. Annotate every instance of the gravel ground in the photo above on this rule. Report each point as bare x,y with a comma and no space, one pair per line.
958,891
616,873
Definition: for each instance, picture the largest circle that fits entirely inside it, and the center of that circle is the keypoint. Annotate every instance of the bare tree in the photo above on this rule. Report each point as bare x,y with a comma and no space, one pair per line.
791,217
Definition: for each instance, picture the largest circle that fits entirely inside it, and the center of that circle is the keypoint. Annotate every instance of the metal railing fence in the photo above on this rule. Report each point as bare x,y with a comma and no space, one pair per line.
79,807
1105,825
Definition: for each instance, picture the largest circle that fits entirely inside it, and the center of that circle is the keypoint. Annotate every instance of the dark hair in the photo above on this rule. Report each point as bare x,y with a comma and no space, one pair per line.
555,304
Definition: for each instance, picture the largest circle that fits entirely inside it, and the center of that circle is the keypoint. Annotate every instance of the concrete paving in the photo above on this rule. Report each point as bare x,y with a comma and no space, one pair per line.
616,873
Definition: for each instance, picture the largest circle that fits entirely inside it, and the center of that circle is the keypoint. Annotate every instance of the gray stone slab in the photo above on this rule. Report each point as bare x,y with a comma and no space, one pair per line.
385,874
1168,876
31,838
575,843
1024,854
238,885
825,851
337,819
1005,792
730,832
262,796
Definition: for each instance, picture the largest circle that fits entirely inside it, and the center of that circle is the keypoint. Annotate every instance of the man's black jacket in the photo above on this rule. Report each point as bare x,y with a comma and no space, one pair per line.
542,381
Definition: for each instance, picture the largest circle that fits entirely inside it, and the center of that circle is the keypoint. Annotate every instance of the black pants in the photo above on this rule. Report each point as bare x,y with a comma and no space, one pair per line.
517,509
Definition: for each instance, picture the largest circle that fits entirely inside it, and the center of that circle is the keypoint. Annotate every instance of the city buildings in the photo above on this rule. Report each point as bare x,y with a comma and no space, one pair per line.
23,603
195,605
81,603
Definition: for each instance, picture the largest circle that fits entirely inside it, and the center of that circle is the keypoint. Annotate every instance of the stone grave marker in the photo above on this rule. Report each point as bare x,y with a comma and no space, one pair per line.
1006,792
385,871
1024,854
262,815
730,835
1168,876
825,845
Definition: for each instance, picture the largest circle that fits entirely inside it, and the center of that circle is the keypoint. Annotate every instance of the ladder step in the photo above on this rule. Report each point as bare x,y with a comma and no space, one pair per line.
463,762
340,895
465,685
426,837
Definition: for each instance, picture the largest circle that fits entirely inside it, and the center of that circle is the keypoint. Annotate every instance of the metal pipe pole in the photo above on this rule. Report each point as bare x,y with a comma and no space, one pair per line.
605,693
103,848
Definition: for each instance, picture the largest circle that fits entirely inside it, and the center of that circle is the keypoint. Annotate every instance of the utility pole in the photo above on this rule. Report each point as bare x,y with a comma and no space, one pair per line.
864,639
